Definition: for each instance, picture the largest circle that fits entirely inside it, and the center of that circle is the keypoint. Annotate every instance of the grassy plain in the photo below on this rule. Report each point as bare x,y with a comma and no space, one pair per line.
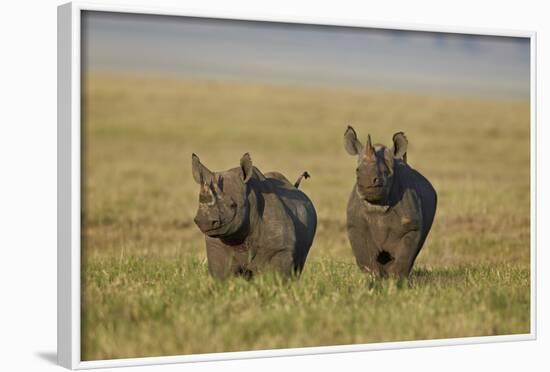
146,289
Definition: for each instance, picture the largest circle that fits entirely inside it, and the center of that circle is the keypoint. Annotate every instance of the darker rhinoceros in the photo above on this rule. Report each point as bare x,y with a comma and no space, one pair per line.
253,222
391,208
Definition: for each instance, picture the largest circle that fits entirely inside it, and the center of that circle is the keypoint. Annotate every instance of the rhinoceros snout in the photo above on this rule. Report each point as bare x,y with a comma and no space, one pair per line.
207,224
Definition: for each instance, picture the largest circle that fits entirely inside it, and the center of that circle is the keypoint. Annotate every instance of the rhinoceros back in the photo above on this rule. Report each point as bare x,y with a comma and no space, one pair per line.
300,209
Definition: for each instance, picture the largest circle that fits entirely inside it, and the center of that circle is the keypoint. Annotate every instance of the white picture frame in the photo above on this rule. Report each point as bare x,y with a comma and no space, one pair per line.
69,154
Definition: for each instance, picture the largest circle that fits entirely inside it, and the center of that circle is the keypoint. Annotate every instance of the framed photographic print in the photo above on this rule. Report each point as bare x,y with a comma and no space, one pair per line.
252,187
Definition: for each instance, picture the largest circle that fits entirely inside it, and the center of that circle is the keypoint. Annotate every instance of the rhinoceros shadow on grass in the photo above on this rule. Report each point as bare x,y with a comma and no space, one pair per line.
253,222
391,207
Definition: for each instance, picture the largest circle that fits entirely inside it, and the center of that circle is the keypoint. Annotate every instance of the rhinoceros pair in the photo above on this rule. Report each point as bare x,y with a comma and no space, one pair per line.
255,222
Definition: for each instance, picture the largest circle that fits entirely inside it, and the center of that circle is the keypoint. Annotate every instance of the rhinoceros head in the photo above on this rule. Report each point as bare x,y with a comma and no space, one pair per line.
223,204
375,164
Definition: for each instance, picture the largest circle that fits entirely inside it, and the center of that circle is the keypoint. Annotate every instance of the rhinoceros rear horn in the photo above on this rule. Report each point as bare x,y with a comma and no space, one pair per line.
246,167
201,174
369,150
400,144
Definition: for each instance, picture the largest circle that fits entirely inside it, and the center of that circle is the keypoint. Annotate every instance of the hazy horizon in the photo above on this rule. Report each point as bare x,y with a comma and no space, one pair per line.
404,61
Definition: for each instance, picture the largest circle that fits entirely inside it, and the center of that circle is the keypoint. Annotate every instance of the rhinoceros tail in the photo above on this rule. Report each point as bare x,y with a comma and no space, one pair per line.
303,175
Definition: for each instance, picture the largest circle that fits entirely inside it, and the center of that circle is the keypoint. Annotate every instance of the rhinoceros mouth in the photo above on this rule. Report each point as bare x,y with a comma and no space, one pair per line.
373,191
221,227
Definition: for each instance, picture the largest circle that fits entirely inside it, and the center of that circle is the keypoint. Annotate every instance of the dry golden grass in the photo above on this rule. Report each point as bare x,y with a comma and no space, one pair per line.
145,285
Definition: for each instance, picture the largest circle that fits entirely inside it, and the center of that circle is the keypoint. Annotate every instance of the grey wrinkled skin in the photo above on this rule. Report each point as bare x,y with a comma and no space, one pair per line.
391,208
253,222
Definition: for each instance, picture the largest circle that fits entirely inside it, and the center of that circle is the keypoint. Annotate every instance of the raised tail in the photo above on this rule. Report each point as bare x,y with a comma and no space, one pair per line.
303,175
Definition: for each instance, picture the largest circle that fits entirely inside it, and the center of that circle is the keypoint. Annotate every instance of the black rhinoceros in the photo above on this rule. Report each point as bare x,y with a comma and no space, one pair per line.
253,222
391,208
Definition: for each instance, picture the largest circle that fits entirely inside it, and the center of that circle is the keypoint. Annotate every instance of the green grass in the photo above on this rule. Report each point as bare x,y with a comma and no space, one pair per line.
146,289
172,307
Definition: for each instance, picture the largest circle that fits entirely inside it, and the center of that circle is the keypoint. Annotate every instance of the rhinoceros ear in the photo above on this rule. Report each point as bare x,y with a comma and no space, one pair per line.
352,144
400,144
246,167
201,174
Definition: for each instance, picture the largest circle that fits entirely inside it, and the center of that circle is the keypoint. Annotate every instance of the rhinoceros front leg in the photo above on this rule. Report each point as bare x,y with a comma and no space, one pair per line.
405,236
280,261
363,246
221,262
399,259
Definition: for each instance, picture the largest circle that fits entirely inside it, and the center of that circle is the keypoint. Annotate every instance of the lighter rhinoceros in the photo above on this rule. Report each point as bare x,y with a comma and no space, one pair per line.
253,222
391,208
